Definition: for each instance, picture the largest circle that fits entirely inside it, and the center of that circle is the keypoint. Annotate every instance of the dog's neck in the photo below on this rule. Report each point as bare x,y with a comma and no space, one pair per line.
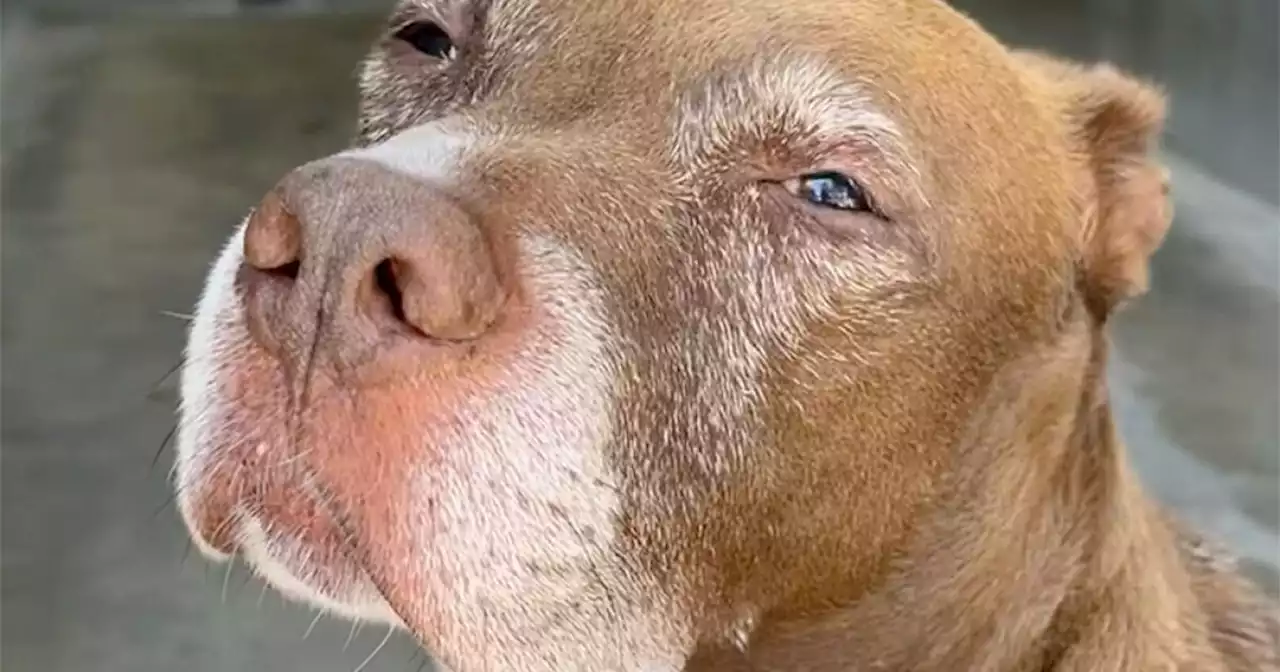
1040,553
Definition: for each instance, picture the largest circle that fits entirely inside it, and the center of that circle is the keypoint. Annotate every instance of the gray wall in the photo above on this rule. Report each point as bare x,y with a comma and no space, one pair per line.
1218,59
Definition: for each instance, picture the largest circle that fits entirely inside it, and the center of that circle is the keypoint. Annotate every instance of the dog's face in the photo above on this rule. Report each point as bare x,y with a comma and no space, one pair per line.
629,322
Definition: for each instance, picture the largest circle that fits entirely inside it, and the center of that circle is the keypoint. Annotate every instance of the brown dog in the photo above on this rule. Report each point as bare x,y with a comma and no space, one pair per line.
721,335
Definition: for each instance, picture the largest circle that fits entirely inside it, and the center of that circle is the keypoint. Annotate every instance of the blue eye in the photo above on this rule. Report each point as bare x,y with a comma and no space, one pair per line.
833,190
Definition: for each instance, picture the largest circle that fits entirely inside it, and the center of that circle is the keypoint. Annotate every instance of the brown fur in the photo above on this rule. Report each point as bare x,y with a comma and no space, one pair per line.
841,442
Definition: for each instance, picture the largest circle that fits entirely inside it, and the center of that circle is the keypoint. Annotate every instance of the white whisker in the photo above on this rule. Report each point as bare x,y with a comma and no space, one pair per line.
355,627
390,629
226,578
302,455
314,621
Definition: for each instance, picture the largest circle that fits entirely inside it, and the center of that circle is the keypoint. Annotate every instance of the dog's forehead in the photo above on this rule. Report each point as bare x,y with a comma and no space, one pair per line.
559,58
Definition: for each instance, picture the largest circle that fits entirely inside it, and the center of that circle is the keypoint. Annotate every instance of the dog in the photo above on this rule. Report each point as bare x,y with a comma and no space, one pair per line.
722,335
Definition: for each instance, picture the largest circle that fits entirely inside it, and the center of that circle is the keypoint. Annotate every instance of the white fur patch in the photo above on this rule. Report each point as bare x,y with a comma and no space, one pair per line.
278,559
523,489
217,332
801,93
429,152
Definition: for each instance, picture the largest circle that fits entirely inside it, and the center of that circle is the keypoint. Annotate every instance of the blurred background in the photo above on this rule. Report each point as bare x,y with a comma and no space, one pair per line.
135,133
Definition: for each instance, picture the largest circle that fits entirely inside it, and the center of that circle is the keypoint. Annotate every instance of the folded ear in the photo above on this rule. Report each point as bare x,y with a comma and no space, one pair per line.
1114,120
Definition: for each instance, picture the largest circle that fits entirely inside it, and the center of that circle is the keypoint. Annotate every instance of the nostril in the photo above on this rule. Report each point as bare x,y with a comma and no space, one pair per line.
436,309
385,276
441,298
273,238
288,271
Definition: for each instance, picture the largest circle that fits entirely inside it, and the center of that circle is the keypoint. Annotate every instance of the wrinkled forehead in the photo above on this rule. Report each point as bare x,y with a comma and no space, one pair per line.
629,62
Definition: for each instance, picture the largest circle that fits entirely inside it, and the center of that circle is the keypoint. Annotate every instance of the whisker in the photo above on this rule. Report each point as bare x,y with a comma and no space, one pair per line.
185,317
168,437
168,501
192,480
177,492
290,461
314,621
155,387
355,627
390,629
226,579
223,527
418,653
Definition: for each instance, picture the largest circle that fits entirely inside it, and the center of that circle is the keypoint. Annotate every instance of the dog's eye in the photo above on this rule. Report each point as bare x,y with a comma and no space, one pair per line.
428,38
831,190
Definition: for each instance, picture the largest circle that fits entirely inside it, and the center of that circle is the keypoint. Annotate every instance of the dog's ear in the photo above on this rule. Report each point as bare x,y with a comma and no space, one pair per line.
1114,121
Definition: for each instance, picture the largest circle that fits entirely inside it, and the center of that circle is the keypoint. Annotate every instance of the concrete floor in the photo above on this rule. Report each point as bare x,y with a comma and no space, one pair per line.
129,151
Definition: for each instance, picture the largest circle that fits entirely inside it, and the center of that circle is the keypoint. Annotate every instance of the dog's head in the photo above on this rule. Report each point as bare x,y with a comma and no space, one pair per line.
628,322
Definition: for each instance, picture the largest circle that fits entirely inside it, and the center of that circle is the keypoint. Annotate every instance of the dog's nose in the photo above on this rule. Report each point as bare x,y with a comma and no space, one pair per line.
369,252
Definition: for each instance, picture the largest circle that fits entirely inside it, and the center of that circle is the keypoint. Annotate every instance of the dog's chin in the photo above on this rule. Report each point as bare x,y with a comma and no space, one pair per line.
286,565
283,535
248,492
